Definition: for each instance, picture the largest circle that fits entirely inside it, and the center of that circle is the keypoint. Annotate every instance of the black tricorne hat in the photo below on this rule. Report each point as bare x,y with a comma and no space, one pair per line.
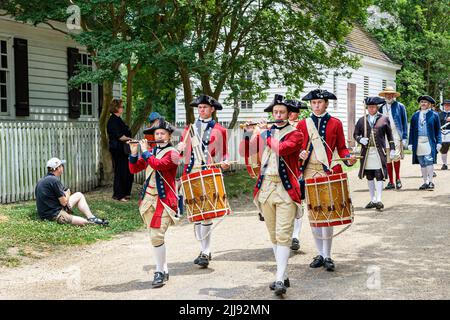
162,124
319,94
371,101
279,99
205,99
427,98
445,101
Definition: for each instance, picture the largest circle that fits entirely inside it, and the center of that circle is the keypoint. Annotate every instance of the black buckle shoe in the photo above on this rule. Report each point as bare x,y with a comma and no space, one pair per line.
398,184
389,186
424,186
434,175
203,260
287,284
198,258
158,279
379,205
280,288
295,246
430,186
317,262
444,167
329,264
371,205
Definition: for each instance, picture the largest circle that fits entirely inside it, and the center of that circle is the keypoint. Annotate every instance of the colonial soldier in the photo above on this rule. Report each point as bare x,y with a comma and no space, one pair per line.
425,139
159,205
444,117
396,112
293,120
317,158
213,139
277,192
372,132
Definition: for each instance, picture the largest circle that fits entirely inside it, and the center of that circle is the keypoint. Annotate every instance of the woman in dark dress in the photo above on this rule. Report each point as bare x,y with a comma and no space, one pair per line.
118,134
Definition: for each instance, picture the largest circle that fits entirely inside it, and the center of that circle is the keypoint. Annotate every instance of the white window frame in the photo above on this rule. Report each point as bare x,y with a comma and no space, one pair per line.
335,89
94,93
246,105
366,89
10,88
383,84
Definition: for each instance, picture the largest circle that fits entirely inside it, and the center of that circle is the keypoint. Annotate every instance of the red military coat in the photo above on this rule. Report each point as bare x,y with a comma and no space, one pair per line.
288,149
332,129
216,142
165,167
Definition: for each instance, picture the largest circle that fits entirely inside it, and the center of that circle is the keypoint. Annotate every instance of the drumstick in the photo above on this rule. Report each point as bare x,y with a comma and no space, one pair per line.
212,164
346,159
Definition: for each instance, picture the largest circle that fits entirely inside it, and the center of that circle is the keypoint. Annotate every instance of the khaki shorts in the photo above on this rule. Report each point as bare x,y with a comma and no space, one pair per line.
63,217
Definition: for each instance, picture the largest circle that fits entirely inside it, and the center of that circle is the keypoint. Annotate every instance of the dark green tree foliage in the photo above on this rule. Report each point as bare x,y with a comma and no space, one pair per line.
420,41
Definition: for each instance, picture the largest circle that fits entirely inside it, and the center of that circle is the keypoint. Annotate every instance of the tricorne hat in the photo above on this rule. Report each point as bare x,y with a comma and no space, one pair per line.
319,94
427,98
372,101
161,124
280,100
205,99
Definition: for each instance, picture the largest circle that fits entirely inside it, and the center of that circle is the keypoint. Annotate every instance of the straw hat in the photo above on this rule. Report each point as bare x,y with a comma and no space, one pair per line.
389,90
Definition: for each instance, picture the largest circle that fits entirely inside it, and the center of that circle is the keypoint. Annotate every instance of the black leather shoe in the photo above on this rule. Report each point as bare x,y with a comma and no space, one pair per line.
444,167
280,288
287,284
424,186
328,264
398,184
317,262
430,186
371,205
295,246
434,175
379,205
389,186
261,218
203,260
158,280
198,258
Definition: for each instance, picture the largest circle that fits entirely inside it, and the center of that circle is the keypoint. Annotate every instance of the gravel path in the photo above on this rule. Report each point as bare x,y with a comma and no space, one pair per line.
400,253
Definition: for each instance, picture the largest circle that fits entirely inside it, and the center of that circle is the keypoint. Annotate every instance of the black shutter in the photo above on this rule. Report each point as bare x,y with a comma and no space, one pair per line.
100,99
73,58
21,77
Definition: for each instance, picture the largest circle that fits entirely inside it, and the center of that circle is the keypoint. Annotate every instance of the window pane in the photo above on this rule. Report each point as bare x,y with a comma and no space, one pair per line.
89,97
3,91
2,76
3,106
89,86
4,63
89,109
2,46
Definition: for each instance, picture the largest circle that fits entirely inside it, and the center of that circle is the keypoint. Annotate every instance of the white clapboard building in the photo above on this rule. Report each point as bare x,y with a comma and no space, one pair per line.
376,72
40,117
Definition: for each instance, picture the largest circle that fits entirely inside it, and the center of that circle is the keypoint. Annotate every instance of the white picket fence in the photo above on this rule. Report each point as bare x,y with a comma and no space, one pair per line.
25,148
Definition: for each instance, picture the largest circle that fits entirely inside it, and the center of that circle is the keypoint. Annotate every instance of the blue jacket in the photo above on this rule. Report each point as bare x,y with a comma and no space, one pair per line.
433,132
400,118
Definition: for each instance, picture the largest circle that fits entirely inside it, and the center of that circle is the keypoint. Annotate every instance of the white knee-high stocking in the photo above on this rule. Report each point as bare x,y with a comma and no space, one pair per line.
371,184
282,257
160,258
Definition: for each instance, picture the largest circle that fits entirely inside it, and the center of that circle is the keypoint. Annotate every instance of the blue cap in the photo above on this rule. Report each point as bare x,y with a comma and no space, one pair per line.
154,116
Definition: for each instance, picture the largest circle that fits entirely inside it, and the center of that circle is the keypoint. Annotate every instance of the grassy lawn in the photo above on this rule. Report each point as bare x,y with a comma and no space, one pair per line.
23,235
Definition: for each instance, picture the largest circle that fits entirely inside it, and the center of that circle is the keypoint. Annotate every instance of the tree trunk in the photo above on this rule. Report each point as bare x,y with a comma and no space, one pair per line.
141,117
106,167
236,112
187,90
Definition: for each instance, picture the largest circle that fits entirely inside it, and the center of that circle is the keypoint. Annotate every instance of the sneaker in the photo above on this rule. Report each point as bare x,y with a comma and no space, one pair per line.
389,186
98,221
444,167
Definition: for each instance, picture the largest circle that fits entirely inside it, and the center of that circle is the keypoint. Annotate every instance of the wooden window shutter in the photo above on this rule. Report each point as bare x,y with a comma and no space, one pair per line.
21,77
73,58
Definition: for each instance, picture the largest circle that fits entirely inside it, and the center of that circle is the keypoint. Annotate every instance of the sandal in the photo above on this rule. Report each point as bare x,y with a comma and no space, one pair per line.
96,220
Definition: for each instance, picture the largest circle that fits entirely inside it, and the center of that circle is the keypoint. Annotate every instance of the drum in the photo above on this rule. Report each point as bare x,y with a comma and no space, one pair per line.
204,195
445,136
328,200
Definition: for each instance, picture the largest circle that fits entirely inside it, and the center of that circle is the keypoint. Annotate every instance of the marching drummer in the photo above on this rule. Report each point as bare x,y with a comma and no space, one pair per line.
371,132
317,159
158,205
425,140
211,148
444,117
277,192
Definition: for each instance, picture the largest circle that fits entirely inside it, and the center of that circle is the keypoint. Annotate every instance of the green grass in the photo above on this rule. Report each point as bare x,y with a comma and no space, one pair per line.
238,183
24,233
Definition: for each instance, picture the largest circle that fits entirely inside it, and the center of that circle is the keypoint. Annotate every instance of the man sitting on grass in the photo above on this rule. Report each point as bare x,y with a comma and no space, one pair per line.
55,203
